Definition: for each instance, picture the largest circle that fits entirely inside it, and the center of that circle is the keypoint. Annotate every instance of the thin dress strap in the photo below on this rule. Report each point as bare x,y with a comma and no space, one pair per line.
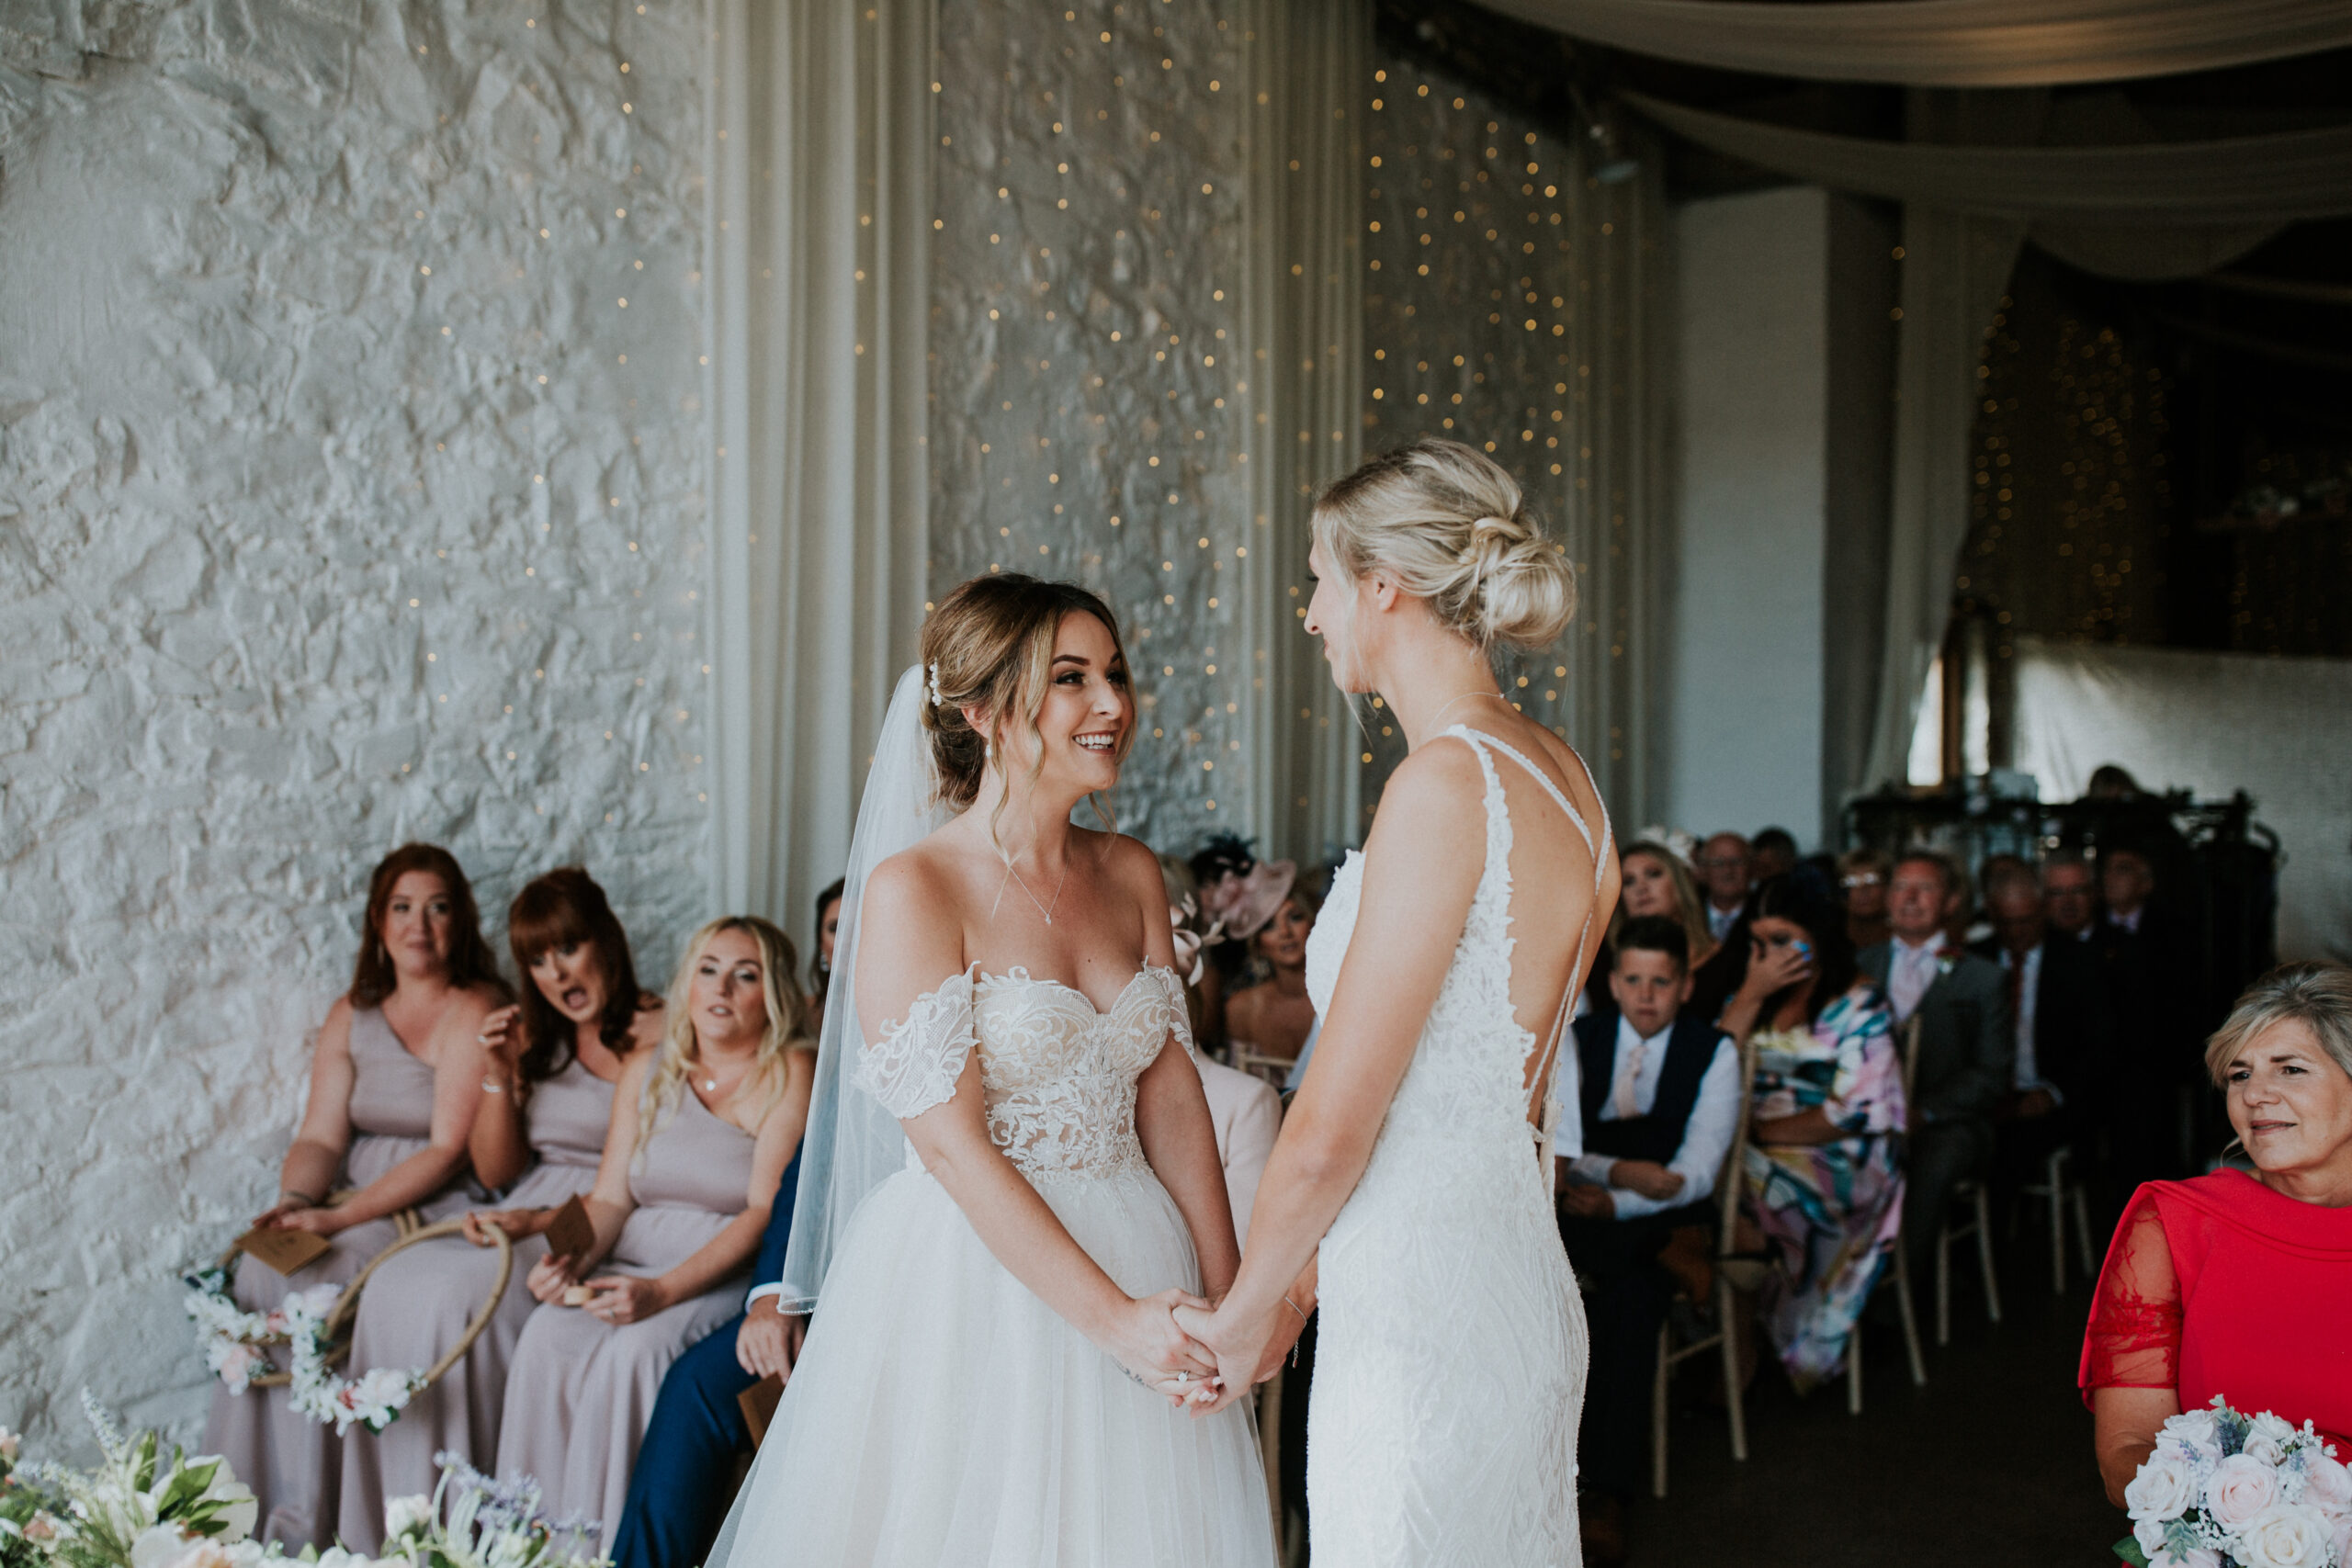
1475,739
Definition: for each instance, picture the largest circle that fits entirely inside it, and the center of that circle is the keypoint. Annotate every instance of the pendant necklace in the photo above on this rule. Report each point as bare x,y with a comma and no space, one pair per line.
1042,908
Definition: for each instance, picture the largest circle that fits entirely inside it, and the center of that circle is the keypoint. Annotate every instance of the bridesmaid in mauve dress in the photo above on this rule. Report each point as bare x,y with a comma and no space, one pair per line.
551,1064
701,1134
394,1088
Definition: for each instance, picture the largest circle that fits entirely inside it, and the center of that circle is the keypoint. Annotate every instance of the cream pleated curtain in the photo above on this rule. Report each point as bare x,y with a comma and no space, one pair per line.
818,148
1953,43
1310,62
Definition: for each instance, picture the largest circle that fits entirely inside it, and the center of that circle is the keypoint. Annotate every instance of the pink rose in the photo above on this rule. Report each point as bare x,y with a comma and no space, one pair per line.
2239,1488
2327,1485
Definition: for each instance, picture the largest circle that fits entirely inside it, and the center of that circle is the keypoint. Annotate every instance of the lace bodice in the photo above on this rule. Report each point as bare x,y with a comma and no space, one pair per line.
1466,1081
1059,1076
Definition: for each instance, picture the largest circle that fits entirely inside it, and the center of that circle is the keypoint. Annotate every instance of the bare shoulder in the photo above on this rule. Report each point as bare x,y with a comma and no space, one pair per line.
914,890
652,1019
1431,789
336,1031
1129,861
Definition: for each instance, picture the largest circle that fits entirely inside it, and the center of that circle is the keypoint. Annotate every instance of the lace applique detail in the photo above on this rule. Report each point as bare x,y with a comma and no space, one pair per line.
1060,1077
916,1063
2135,1327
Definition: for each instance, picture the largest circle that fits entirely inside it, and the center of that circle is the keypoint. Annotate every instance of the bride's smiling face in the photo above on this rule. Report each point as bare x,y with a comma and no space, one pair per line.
1086,721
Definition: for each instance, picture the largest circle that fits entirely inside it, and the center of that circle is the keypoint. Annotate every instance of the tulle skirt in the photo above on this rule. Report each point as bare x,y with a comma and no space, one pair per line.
941,1414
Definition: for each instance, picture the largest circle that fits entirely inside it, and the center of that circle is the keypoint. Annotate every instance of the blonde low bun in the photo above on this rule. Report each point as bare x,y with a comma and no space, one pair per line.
1450,526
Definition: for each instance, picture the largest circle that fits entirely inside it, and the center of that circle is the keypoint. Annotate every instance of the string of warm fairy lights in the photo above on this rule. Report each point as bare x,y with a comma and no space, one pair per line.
2069,481
537,494
1095,396
1478,294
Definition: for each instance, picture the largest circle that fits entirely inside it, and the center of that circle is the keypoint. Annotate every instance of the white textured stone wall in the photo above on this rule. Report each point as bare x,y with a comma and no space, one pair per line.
1091,409
342,501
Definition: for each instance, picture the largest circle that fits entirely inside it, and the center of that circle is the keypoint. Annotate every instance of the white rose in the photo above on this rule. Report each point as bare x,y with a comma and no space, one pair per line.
2285,1534
336,1557
405,1515
2327,1485
2195,1430
2240,1487
2267,1438
2194,1557
157,1546
2149,1534
2164,1488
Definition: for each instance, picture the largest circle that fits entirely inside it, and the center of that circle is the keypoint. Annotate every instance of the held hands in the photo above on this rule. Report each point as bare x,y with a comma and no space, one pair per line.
1240,1349
1143,1336
769,1342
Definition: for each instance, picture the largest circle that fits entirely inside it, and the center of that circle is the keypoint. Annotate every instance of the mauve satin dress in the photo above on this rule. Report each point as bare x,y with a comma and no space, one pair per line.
419,1303
290,1461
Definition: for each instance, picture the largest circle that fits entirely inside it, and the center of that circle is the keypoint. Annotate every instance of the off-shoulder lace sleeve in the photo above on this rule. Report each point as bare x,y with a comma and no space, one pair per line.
2134,1336
915,1064
1180,1017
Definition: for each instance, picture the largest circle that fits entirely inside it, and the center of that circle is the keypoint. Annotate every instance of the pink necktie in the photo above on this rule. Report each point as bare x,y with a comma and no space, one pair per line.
1628,1071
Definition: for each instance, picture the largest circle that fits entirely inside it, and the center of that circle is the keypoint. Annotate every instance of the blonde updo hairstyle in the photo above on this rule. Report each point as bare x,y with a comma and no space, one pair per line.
1450,527
989,646
681,1050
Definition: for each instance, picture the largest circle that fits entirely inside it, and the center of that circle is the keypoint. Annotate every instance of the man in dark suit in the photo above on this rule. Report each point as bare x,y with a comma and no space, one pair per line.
1660,1095
684,1479
2055,993
1967,1053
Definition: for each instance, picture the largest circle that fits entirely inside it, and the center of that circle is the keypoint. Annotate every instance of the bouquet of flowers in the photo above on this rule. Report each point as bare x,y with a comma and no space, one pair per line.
140,1508
145,1508
233,1340
2223,1489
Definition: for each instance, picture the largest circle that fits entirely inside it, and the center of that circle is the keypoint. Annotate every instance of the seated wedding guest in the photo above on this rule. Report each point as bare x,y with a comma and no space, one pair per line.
1726,876
2233,1284
1272,1020
1772,852
1657,885
702,1130
1822,1176
395,1087
551,1064
1967,1053
2055,995
820,969
684,1476
1660,1095
1863,876
1244,1109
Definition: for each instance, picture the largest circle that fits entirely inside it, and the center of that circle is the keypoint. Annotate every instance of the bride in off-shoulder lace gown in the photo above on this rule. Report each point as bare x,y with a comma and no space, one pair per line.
941,1413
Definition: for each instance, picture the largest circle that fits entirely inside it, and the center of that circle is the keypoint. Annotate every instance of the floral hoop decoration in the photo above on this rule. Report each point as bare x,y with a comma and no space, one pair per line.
239,1346
238,1349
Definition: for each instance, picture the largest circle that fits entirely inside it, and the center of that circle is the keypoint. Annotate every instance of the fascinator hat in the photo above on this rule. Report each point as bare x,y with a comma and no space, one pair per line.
1241,902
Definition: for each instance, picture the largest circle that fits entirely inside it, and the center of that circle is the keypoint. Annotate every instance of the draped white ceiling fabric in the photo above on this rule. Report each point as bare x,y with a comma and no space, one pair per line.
820,148
1953,43
2279,178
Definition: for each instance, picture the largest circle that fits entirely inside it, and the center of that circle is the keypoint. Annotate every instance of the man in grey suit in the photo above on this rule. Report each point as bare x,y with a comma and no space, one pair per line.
1967,1047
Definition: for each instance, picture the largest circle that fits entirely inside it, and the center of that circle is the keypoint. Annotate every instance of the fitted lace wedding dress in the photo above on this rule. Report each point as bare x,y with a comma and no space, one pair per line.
941,1414
1450,1361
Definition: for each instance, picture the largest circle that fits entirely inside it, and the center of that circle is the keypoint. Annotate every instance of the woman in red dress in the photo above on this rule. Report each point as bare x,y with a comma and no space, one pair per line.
2233,1284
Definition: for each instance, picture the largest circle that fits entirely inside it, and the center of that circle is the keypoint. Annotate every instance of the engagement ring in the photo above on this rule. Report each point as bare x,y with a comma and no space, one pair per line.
1183,1377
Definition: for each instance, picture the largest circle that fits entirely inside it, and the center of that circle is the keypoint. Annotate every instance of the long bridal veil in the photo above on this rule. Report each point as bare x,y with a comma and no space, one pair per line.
851,1143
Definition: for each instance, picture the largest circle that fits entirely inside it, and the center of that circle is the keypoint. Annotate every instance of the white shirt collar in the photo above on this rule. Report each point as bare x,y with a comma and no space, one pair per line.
1927,949
1626,1036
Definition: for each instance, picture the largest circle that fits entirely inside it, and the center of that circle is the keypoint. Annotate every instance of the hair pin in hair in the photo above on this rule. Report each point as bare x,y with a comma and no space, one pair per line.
935,683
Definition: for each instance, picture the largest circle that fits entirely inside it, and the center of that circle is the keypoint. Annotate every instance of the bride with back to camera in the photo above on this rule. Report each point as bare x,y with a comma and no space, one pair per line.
1451,1362
1019,1179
